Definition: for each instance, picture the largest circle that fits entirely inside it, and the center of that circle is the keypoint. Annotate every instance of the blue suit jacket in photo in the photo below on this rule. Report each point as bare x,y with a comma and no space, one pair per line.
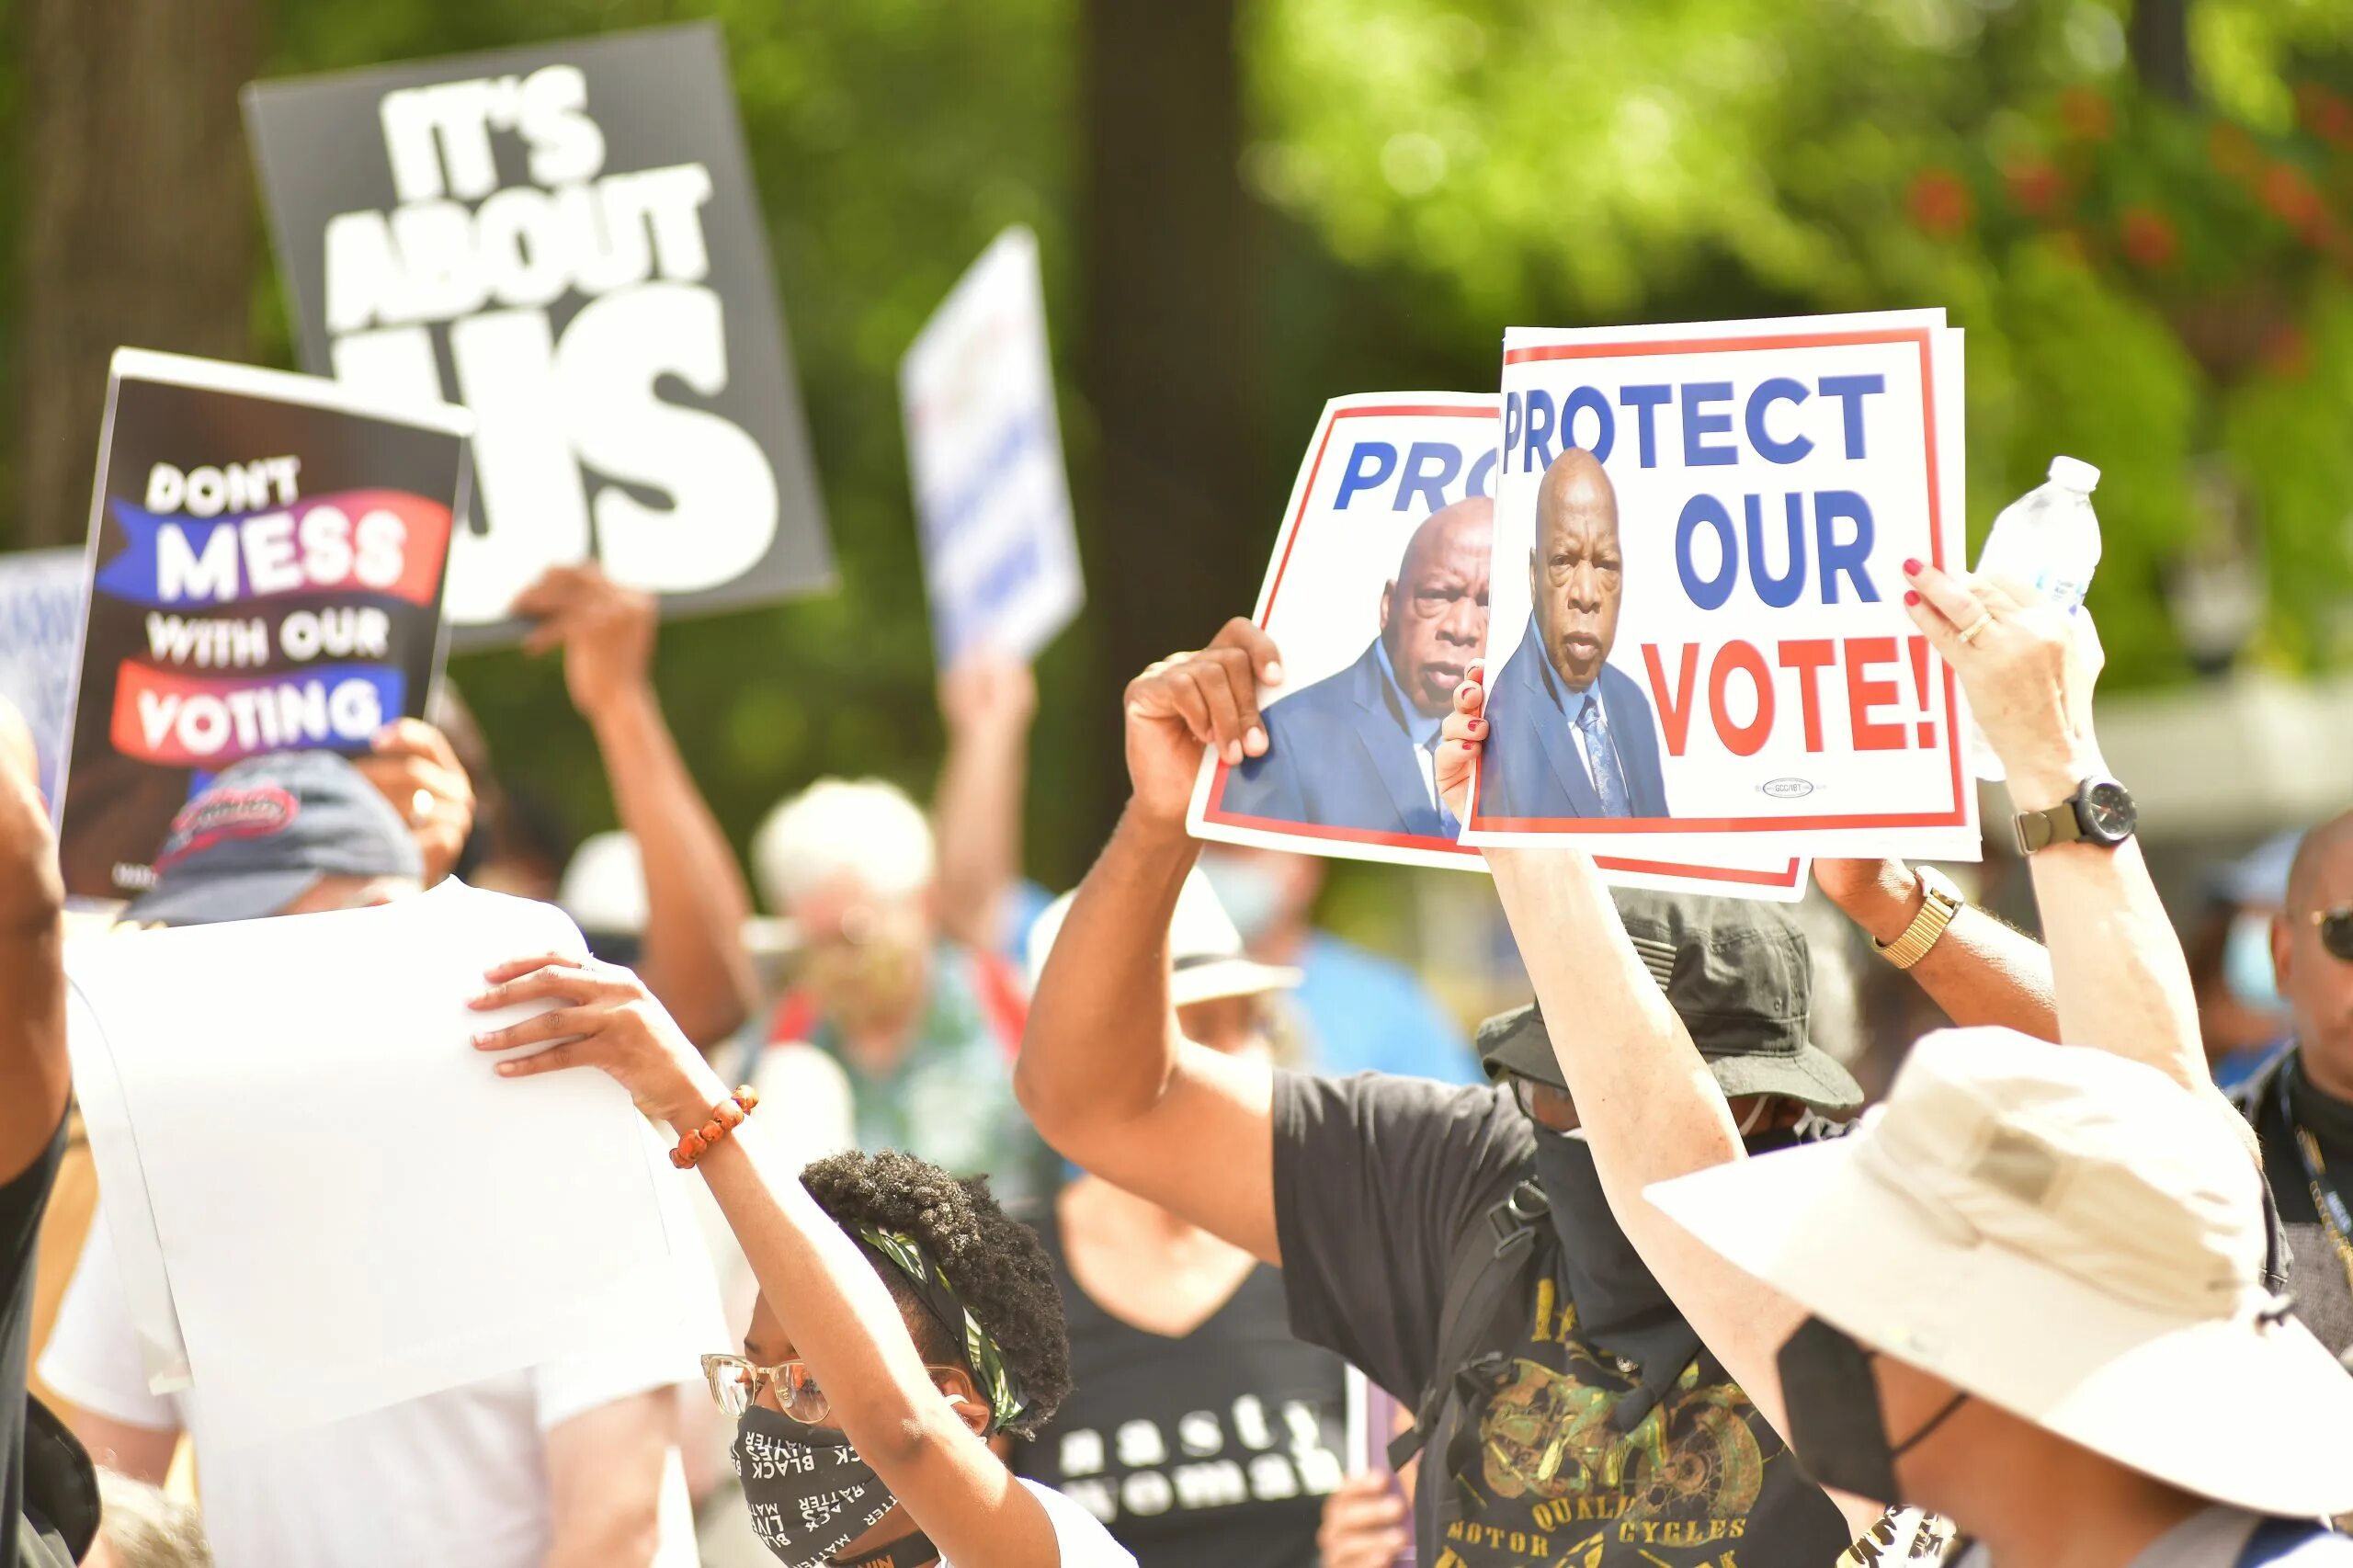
1532,766
1337,755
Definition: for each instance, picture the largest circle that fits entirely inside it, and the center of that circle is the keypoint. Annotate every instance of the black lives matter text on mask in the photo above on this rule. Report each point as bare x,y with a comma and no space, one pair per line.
566,241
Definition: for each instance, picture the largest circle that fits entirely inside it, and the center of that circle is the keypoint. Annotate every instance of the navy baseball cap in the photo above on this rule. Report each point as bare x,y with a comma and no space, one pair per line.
264,833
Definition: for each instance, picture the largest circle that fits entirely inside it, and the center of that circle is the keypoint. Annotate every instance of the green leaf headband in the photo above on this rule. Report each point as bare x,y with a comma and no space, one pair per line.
1008,1399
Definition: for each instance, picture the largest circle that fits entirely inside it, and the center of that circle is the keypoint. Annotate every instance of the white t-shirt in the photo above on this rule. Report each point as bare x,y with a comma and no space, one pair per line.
457,1477
1079,1536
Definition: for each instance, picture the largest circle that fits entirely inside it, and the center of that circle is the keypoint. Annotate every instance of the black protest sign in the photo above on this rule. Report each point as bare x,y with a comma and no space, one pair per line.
565,239
266,554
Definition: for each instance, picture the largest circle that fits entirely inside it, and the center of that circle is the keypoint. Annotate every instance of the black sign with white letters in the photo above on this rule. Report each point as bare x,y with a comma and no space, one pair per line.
565,239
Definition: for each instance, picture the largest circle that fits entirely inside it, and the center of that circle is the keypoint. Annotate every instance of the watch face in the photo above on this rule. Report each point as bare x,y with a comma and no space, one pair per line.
2108,811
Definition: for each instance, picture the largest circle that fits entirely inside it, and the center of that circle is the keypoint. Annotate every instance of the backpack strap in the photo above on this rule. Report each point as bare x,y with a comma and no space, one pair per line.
61,1494
795,1017
1489,1262
1004,1001
2276,1538
2251,1098
2276,1254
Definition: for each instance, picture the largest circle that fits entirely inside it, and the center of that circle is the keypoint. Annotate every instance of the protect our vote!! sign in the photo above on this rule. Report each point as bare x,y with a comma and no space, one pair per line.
265,566
566,240
1000,555
1698,626
1378,598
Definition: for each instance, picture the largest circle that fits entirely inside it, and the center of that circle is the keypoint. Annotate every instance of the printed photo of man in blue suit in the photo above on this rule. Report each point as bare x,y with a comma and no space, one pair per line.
1357,749
1574,736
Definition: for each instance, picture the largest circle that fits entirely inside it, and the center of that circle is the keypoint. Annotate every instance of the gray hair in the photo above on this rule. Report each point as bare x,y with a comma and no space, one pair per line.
866,827
146,1528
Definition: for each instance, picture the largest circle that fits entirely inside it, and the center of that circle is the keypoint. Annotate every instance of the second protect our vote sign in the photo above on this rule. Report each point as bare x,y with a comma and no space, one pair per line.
266,564
1709,637
1378,596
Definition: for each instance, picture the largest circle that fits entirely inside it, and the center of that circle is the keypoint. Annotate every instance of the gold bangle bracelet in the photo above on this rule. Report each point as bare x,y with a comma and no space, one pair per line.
1940,903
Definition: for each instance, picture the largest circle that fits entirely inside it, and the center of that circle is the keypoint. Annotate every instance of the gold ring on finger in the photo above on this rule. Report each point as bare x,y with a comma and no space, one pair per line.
1976,629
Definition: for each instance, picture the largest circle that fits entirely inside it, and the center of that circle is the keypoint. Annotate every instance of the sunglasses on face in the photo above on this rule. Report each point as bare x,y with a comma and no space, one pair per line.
735,1385
2336,931
1544,1105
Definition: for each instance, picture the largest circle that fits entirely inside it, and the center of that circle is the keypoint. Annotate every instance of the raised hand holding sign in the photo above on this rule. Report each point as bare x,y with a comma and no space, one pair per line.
1190,704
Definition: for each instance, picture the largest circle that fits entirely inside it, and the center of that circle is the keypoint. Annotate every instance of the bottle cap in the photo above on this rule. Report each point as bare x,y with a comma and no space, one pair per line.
2075,474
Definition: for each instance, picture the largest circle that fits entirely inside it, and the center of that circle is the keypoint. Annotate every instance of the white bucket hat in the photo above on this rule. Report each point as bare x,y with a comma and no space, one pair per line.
1204,948
604,892
2065,1234
603,885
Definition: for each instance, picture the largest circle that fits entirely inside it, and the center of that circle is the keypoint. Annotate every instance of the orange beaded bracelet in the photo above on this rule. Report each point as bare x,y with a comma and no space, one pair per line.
725,1118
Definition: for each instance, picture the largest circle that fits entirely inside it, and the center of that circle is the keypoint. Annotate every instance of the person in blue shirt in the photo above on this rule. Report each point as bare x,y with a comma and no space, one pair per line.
1354,1010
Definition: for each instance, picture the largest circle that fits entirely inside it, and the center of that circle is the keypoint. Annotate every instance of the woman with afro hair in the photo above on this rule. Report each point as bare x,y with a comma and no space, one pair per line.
904,1319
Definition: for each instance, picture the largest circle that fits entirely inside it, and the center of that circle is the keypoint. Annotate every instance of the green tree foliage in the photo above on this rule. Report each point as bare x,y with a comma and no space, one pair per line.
892,140
2152,288
2162,290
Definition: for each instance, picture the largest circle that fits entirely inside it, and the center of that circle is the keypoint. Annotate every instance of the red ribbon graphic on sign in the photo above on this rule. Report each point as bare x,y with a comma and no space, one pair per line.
180,720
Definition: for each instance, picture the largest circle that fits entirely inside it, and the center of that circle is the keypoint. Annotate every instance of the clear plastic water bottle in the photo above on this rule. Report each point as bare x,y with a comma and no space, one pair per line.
2049,539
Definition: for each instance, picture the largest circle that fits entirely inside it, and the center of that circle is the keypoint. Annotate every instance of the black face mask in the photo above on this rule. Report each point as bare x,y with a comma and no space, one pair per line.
809,1492
1835,1429
1811,1127
1621,1308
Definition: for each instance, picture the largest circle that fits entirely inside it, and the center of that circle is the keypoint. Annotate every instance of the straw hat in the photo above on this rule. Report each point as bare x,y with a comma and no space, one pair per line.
1204,948
2065,1234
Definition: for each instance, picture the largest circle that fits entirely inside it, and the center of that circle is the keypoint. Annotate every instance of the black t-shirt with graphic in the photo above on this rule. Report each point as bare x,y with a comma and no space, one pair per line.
1212,1450
1376,1181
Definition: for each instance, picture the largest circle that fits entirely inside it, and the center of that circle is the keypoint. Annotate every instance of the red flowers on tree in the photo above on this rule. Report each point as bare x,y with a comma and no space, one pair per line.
1940,203
2038,188
2148,238
2087,114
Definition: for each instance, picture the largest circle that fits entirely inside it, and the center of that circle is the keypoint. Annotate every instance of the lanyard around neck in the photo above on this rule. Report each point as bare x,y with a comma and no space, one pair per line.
2335,1216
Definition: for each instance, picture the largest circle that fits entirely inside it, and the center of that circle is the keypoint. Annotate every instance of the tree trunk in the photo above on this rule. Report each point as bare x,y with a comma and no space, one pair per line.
2159,42
138,217
1178,526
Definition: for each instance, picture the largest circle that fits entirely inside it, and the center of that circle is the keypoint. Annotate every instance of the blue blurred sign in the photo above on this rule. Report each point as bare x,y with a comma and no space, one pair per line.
999,552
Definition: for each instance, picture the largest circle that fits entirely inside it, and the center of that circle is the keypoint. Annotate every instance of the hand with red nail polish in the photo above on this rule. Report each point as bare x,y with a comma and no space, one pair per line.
2028,668
1465,732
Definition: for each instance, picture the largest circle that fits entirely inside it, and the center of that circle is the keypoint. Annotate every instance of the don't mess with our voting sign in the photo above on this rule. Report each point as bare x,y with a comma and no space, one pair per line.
1697,632
266,564
1378,598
